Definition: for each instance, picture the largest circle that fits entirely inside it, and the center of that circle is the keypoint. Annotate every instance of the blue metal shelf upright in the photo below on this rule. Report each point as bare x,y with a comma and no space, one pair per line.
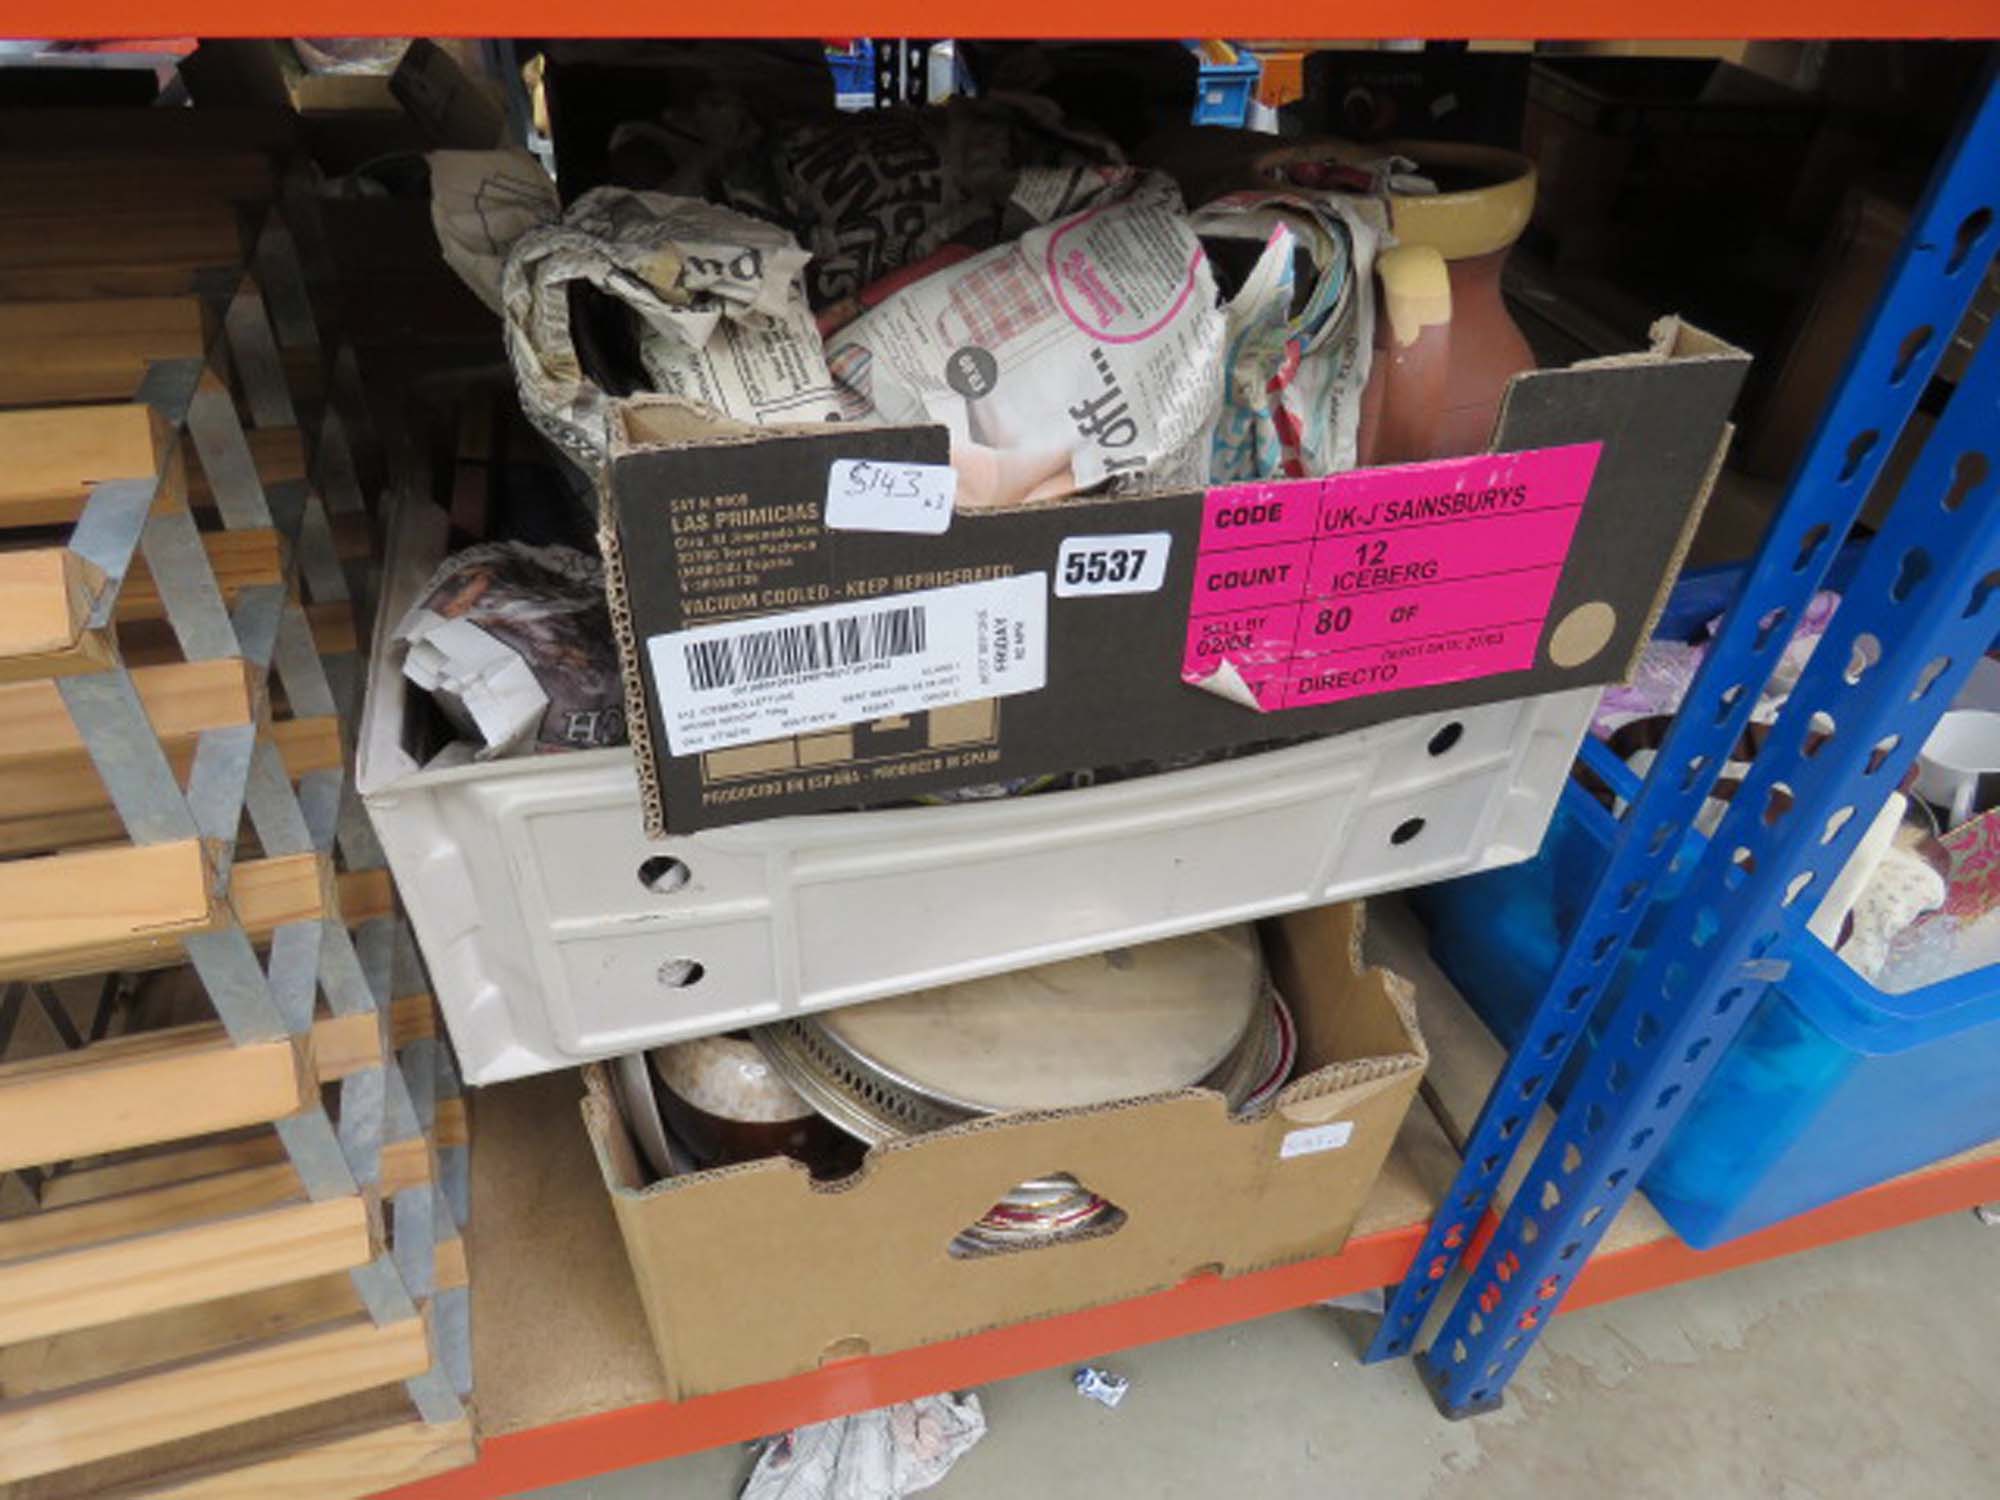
1912,625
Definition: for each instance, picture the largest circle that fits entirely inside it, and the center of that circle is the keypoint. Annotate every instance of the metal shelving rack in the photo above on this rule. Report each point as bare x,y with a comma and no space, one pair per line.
1910,629
1637,1086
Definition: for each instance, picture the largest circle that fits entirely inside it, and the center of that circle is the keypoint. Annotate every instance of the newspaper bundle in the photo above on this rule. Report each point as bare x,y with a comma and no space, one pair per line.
513,643
1088,352
716,299
1300,330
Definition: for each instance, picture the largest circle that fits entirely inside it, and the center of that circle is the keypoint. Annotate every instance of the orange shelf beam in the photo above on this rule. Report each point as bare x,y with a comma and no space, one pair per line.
656,1430
1552,20
1950,1188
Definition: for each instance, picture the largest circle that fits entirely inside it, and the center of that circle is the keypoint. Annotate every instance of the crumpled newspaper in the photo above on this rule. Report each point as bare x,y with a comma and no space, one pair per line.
514,645
881,189
875,1455
1301,327
715,301
1088,352
482,202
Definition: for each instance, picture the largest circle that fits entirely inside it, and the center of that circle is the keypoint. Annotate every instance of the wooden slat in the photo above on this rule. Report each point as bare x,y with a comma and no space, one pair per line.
113,1349
128,1278
344,1465
346,1044
343,1045
148,1212
51,833
305,372
332,624
61,1430
150,643
451,1267
93,911
181,700
265,893
133,185
336,1053
54,456
407,1163
165,136
138,1091
64,780
451,1128
353,536
87,253
53,352
250,558
128,182
269,893
58,801
45,599
278,452
154,1169
366,895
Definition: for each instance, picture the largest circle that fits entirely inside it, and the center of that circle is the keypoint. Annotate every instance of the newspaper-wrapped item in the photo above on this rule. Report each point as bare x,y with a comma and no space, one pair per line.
716,301
482,202
1301,326
1088,352
875,191
514,645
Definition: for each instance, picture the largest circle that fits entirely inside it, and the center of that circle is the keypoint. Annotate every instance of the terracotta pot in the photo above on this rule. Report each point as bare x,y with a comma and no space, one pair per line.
1485,199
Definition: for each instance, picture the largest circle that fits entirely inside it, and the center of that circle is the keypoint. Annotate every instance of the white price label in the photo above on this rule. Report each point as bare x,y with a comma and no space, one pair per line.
744,681
865,494
1314,1139
1134,564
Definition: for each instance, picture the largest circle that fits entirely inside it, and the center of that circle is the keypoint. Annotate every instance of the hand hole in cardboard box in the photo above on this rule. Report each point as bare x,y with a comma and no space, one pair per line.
851,1347
1053,1209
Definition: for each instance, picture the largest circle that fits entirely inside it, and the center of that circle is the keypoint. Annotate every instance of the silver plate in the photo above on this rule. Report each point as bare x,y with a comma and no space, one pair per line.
876,1107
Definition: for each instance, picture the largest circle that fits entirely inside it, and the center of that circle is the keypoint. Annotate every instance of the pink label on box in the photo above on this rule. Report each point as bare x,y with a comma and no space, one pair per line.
1313,591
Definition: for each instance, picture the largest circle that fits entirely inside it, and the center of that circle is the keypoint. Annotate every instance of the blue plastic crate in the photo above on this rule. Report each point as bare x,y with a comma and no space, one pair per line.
1832,1086
1227,90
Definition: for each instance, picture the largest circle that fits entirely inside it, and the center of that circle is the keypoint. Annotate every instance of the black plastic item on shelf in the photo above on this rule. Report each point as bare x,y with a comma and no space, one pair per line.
1442,93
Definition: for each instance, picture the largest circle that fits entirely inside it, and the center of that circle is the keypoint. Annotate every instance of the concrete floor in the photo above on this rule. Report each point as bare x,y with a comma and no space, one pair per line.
1862,1369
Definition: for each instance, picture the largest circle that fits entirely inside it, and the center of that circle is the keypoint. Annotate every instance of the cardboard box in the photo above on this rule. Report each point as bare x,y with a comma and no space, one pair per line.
1100,669
754,1273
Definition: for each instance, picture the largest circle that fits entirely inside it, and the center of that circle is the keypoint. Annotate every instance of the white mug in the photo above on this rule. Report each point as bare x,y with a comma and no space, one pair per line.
1959,767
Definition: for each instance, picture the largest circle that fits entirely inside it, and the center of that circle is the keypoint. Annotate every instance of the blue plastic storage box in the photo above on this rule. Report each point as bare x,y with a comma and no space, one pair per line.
1227,89
1833,1086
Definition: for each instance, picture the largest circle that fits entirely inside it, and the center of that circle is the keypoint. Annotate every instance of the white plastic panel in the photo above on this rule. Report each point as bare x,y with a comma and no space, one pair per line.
547,948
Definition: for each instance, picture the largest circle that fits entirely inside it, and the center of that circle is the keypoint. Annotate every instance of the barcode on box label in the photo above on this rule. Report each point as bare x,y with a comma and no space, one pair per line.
795,650
744,681
1315,1138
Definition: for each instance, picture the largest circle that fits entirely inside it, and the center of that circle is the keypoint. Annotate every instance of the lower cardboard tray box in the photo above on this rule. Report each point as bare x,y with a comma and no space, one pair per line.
756,1272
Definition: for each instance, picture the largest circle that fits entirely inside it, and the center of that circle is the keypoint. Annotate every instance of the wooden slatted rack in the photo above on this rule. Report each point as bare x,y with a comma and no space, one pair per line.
232,1148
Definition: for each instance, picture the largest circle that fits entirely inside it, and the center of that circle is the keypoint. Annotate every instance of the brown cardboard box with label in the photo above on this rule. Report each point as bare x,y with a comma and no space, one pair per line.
755,1273
777,664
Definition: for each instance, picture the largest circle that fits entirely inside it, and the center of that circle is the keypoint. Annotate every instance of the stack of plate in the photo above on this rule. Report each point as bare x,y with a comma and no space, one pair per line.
1188,1012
